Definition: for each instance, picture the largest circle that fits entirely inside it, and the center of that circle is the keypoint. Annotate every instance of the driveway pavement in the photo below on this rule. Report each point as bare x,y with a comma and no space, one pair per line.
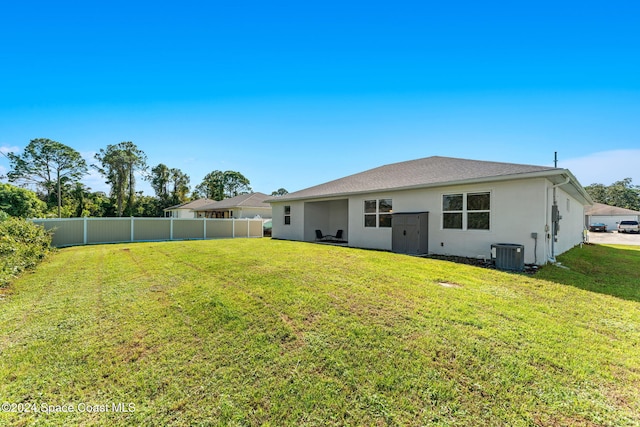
614,238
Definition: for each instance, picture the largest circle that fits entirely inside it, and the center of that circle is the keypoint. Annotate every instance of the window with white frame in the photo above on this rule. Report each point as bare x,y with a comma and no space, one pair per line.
287,215
466,211
377,213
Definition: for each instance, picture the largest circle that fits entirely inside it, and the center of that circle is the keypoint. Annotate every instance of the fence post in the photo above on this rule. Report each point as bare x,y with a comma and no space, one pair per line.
171,229
204,227
132,229
84,231
233,228
248,228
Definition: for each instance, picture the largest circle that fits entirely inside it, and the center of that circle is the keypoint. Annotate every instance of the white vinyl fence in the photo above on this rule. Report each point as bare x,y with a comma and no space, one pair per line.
87,231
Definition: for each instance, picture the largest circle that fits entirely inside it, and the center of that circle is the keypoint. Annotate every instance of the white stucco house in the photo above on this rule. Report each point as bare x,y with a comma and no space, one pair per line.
186,210
249,205
609,215
442,205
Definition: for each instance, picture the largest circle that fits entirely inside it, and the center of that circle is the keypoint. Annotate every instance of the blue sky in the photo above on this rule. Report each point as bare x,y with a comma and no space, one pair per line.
293,94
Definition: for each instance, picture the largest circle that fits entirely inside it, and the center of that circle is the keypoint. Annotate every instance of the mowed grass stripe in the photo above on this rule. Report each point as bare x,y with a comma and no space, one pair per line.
263,332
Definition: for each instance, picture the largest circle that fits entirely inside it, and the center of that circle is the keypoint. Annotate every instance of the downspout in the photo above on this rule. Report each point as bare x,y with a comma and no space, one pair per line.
555,218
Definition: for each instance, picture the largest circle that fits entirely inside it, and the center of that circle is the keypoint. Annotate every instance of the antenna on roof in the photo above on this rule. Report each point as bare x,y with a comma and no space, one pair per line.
555,159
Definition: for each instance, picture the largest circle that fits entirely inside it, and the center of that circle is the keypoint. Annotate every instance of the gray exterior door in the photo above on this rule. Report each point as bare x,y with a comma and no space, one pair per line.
410,233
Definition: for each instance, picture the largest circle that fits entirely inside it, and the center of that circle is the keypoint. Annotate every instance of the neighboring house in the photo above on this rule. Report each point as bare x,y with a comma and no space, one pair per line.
609,215
464,206
243,206
186,210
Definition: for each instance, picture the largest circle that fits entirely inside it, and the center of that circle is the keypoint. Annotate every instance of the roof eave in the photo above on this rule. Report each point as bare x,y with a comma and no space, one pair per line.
527,175
582,193
170,208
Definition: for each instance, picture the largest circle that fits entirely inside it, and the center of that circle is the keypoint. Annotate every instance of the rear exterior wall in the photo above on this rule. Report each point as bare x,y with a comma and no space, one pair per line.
518,209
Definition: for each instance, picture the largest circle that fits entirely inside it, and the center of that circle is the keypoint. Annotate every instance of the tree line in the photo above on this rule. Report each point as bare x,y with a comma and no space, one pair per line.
55,170
622,194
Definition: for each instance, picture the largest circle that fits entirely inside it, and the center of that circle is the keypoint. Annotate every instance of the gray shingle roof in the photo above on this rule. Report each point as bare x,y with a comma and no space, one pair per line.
600,209
252,200
191,205
429,171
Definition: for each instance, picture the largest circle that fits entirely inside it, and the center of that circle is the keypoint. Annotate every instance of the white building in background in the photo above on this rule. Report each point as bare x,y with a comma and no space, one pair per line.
186,210
609,215
250,205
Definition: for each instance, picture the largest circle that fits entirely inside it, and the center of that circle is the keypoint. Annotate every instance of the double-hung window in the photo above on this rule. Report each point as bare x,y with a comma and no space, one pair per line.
466,211
377,213
287,215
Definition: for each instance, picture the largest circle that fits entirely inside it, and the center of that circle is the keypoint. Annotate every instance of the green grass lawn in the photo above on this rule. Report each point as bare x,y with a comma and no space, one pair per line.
608,269
263,332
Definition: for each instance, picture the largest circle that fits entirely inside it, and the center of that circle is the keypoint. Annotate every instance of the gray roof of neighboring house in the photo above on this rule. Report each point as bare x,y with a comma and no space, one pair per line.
600,209
427,172
191,205
251,200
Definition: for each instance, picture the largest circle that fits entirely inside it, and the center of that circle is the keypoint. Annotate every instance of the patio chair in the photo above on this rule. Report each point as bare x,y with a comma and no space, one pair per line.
321,237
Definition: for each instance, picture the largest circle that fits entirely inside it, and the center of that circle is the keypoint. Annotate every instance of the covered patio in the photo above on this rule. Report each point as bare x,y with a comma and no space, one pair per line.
328,216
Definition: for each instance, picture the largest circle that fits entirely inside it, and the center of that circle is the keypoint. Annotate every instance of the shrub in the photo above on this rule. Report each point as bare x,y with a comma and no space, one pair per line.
20,202
22,245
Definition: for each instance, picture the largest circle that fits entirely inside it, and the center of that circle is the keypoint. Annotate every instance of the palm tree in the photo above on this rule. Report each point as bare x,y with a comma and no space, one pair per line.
118,164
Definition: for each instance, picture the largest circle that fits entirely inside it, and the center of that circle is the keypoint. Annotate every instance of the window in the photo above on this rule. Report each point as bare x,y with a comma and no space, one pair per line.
478,211
452,211
370,213
377,213
287,215
466,211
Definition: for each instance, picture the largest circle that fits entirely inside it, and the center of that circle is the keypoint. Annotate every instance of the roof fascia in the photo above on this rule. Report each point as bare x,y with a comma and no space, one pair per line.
528,175
576,184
